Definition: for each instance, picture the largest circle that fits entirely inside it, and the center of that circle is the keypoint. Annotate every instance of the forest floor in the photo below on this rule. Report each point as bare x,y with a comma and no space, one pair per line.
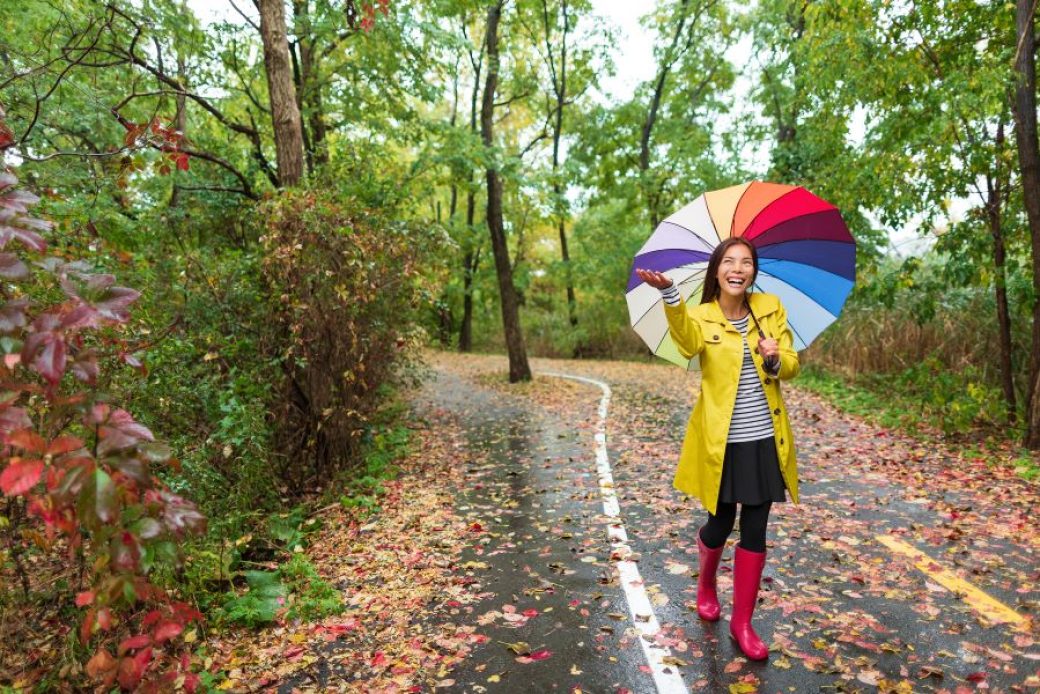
909,565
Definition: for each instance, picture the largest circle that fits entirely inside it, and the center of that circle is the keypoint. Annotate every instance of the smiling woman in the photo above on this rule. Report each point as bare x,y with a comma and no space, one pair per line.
738,447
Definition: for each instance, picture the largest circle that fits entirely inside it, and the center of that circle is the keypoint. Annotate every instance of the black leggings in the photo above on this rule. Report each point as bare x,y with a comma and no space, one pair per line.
753,521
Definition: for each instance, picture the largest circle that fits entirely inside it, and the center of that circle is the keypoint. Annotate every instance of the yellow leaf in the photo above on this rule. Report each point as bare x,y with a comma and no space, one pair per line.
742,688
495,678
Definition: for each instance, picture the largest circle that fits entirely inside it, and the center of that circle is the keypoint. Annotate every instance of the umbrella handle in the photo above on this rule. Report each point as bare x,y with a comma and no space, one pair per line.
761,334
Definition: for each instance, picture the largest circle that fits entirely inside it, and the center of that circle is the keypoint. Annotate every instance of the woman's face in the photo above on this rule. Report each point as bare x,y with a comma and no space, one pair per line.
736,271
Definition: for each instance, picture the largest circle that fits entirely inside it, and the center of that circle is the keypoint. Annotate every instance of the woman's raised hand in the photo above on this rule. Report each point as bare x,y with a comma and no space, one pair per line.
657,280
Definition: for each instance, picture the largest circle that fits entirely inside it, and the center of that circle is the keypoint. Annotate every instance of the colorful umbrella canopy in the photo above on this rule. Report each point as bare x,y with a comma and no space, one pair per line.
806,256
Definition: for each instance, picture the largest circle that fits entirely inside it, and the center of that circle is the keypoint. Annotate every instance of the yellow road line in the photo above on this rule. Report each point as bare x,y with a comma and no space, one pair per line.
989,608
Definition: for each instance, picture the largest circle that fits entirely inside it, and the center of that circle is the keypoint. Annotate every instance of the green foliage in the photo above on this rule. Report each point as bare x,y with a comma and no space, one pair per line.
262,602
385,442
293,591
210,384
926,394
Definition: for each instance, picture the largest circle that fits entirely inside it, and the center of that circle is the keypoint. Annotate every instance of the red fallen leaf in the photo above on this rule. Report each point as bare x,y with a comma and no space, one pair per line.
104,618
530,613
334,631
476,528
540,654
976,677
84,598
293,653
378,659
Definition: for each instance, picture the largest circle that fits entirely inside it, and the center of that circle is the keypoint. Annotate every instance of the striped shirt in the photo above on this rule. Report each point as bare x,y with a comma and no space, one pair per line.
751,417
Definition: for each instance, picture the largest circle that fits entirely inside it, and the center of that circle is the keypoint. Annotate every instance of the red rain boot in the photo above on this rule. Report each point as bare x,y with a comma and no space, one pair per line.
707,597
747,571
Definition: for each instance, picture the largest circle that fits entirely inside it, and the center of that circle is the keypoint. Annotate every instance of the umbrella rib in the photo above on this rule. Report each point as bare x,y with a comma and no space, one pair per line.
807,298
789,325
733,217
797,334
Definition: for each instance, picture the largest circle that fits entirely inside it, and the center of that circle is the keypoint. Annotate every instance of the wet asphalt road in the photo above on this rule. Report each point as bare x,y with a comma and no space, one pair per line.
841,612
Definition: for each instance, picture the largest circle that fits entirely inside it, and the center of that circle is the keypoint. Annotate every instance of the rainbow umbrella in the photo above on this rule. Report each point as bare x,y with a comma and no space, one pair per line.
806,256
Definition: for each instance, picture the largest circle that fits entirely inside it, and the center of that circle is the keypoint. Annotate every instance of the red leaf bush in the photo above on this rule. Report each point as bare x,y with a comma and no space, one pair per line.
78,471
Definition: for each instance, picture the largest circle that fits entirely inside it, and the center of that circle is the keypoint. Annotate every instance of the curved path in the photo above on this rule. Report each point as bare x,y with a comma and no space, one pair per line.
892,575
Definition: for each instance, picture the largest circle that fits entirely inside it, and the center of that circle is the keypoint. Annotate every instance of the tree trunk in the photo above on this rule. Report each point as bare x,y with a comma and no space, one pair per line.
1029,167
308,149
180,118
652,201
519,370
310,88
285,115
560,91
471,260
469,268
994,205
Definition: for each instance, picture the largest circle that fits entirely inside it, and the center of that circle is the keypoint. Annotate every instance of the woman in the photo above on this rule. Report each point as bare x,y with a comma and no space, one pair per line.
738,447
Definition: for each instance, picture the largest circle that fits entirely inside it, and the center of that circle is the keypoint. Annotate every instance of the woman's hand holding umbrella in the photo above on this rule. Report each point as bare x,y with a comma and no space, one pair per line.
769,348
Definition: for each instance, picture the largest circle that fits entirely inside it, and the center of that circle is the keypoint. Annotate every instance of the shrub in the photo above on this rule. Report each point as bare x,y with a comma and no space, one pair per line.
77,469
344,278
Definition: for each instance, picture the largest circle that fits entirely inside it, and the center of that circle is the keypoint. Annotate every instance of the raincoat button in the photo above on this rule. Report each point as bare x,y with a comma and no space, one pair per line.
781,442
777,411
714,337
768,381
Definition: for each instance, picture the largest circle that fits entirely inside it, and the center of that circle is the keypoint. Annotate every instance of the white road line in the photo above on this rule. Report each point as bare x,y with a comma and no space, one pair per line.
666,677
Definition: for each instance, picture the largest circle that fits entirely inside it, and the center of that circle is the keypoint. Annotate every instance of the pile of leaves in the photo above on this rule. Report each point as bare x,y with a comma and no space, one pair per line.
405,593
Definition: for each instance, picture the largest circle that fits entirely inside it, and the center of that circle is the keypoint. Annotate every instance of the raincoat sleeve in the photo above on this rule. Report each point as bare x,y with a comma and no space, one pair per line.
686,332
789,365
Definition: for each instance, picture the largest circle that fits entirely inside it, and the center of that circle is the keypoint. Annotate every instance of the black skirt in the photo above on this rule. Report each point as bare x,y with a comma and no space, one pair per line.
751,473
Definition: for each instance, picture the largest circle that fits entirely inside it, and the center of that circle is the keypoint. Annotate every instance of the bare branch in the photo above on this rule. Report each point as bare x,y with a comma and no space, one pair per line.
246,17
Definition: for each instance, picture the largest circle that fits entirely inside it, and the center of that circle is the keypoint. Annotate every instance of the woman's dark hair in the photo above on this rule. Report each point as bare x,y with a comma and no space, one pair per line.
711,280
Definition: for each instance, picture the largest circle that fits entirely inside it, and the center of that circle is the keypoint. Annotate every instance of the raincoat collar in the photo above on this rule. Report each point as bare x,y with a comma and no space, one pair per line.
761,305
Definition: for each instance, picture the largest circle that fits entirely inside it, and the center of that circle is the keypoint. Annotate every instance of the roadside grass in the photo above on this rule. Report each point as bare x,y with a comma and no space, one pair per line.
966,418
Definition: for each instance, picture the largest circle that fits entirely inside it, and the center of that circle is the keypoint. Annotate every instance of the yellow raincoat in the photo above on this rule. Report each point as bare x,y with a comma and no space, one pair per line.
703,330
